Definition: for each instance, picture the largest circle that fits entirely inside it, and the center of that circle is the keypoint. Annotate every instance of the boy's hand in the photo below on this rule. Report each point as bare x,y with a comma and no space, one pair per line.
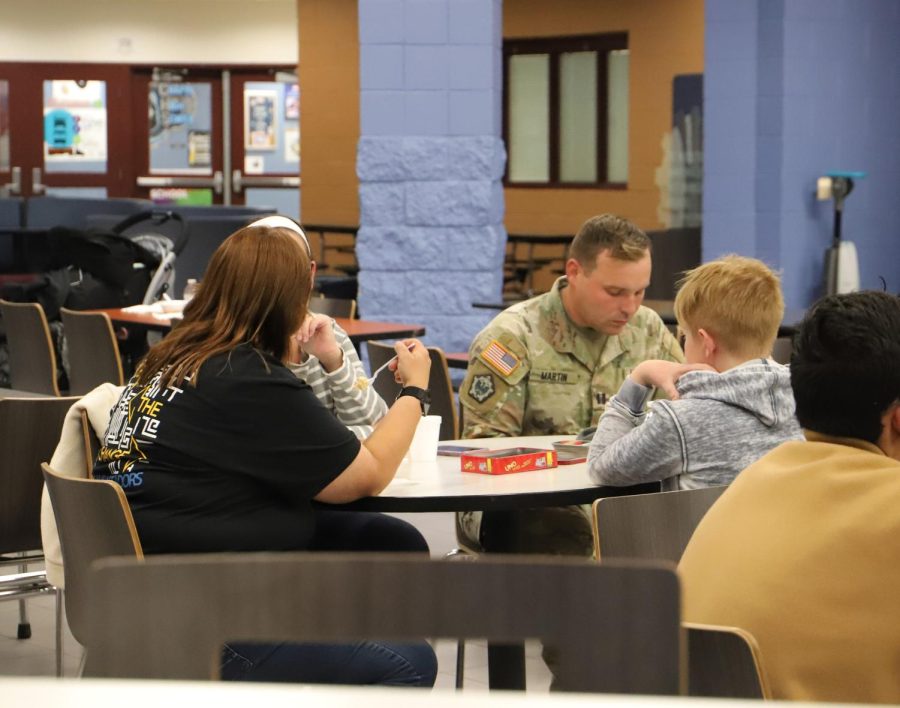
664,374
316,337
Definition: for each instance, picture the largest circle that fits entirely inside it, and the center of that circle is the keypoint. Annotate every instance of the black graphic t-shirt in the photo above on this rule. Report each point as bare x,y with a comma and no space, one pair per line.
230,464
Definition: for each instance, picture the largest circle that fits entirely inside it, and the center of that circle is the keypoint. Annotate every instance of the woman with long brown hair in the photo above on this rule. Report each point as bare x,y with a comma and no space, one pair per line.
219,447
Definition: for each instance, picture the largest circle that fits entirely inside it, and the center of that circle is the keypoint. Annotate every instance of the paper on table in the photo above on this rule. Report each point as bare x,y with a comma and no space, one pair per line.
163,307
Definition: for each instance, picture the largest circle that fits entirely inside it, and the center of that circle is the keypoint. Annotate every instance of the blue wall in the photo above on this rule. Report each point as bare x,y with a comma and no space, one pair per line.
430,160
794,89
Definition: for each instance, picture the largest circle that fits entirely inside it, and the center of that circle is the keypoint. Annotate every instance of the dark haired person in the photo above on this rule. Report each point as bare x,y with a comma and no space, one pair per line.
219,447
548,366
803,549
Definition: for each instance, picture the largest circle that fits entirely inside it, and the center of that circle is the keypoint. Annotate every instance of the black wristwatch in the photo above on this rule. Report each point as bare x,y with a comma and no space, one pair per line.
420,393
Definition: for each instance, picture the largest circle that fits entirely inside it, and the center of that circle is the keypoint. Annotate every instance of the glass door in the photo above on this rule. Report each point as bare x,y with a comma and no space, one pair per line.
265,140
179,123
64,130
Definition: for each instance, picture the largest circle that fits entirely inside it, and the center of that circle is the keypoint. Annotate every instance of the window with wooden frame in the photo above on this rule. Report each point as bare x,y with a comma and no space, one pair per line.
565,118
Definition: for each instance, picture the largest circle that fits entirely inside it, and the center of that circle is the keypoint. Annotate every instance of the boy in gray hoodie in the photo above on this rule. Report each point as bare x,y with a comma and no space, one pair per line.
730,403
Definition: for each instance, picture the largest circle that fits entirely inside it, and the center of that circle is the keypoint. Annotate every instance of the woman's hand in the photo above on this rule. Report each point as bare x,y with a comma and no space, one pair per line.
412,366
664,374
316,338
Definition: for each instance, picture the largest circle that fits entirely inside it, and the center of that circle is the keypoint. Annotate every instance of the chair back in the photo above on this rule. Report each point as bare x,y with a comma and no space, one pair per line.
94,521
333,306
650,526
32,361
724,663
191,605
29,432
90,444
93,350
440,386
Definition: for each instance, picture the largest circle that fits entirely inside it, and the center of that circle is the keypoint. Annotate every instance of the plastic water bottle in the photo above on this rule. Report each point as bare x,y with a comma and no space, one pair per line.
190,289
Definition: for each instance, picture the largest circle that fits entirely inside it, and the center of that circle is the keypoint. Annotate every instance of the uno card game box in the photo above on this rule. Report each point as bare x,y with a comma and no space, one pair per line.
514,459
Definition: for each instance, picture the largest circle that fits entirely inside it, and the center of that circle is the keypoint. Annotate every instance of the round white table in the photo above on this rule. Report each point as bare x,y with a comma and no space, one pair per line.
443,486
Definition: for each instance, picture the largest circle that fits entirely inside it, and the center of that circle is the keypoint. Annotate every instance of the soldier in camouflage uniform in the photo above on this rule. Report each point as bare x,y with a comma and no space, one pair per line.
548,365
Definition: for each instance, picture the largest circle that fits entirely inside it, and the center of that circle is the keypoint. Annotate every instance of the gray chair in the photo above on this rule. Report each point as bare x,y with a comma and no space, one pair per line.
333,306
29,432
93,350
345,597
649,526
724,662
94,521
443,402
32,359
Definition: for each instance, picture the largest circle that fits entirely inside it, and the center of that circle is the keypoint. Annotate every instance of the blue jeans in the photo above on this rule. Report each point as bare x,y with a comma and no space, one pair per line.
359,664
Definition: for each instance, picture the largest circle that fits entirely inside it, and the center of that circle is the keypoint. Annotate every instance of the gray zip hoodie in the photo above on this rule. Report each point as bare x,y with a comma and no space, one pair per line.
721,424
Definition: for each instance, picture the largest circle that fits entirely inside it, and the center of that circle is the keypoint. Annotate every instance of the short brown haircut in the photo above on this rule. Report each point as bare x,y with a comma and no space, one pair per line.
255,291
737,300
607,232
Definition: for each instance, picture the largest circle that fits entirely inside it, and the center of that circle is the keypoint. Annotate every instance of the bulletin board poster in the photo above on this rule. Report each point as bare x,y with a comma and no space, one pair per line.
75,126
180,140
260,120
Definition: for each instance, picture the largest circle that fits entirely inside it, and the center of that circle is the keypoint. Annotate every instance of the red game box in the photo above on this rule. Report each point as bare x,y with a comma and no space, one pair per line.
513,459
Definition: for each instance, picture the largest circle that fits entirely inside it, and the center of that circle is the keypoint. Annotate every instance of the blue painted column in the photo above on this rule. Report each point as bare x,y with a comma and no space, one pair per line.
430,162
794,89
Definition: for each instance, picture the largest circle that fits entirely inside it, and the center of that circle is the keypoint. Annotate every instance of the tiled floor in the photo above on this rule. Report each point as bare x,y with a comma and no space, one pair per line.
35,656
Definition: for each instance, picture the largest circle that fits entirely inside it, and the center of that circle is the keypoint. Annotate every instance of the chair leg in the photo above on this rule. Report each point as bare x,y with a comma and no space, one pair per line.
461,554
24,629
59,632
460,662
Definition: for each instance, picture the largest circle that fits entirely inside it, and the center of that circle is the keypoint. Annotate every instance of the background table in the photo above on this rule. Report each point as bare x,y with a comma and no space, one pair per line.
358,330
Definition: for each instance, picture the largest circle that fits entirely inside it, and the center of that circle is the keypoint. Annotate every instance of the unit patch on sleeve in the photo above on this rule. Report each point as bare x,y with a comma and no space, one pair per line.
482,387
499,358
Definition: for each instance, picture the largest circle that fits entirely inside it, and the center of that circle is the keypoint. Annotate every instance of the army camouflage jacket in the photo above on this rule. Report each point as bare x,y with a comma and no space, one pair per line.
533,372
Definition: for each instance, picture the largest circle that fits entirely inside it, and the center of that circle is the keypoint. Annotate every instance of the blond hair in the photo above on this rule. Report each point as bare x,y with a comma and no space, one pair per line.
607,232
737,300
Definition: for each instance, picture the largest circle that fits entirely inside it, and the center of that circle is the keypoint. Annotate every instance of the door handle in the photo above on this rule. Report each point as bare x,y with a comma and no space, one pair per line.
239,181
217,181
36,186
14,186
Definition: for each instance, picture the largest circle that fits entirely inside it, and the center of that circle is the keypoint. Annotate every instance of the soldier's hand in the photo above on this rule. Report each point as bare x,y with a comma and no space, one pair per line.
664,374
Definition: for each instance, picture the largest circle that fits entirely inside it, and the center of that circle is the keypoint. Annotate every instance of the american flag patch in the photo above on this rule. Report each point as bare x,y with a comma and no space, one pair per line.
500,358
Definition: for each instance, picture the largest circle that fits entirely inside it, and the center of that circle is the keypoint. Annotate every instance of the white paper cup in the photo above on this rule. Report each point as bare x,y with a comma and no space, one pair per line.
425,442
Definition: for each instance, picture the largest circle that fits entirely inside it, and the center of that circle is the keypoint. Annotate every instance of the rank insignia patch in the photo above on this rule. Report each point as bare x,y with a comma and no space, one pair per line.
482,387
499,358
